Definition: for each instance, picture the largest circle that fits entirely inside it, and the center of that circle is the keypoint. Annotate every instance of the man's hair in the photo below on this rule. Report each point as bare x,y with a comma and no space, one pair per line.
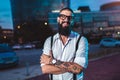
67,9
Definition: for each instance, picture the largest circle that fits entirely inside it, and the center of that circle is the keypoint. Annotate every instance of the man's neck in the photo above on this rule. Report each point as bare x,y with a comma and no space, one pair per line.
63,38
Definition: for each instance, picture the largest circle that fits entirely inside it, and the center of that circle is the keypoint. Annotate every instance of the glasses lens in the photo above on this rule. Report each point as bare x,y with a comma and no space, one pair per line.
62,16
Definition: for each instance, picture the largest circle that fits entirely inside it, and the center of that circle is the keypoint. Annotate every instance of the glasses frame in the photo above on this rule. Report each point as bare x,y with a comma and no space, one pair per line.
63,17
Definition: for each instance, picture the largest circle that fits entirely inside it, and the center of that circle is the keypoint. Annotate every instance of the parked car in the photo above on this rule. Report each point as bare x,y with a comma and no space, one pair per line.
17,47
37,44
109,42
28,46
8,57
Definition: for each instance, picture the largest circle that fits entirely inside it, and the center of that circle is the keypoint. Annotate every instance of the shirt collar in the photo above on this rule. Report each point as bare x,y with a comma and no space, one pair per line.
72,35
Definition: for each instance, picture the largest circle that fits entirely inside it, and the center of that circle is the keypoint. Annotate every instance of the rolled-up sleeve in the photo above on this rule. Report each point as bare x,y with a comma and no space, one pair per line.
81,57
46,47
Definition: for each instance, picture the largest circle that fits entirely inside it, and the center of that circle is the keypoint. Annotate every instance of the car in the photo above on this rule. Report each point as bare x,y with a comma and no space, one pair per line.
8,57
37,44
17,47
109,42
28,46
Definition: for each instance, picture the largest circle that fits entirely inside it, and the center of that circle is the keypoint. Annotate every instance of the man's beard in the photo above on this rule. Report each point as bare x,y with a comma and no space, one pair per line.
64,30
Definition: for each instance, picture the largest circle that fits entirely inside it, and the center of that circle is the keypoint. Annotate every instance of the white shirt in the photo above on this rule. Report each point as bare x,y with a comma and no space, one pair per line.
66,52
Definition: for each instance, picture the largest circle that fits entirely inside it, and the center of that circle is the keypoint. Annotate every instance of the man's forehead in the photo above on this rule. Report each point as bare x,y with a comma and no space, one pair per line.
66,12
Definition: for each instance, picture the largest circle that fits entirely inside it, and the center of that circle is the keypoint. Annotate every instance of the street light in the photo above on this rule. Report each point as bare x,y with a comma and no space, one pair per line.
46,23
118,33
18,27
4,37
101,28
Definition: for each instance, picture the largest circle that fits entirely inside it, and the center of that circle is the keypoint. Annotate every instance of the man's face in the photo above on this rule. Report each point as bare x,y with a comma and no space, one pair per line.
65,18
65,21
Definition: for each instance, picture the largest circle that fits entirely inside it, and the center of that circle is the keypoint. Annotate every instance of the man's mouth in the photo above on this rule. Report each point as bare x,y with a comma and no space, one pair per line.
65,24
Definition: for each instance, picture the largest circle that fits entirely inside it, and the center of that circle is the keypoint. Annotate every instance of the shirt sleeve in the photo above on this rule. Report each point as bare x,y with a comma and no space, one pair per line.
81,57
47,47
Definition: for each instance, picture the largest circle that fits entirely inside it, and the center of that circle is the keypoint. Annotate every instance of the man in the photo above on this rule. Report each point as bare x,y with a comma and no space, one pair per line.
62,60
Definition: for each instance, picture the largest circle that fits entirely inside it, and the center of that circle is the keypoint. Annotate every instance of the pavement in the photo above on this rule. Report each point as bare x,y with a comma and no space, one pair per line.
103,68
20,73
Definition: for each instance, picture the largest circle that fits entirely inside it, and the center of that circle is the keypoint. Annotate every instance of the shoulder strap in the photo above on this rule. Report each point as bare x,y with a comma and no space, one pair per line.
51,42
51,75
78,42
74,75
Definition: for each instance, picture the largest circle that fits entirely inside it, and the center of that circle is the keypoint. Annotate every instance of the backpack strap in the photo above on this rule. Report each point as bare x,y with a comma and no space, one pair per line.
76,48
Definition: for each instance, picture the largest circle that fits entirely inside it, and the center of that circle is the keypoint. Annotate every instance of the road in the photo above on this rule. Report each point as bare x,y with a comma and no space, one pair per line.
32,56
105,68
28,57
94,48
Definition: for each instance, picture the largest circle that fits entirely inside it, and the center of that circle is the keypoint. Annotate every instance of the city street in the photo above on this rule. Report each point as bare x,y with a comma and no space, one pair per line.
29,58
105,68
26,24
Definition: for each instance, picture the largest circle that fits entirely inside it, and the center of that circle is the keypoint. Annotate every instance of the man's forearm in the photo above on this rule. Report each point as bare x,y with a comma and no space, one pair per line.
62,67
52,69
59,66
49,68
69,67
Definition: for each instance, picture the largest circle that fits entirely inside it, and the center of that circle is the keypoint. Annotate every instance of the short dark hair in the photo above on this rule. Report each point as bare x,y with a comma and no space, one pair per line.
67,9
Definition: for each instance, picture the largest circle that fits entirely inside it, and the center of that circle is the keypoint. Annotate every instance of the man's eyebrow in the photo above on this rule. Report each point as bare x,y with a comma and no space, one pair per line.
65,15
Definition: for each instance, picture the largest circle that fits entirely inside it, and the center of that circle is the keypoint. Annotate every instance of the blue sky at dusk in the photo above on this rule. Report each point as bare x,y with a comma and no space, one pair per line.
6,16
93,4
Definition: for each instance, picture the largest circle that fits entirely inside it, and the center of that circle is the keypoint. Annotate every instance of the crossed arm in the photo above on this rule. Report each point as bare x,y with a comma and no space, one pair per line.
59,67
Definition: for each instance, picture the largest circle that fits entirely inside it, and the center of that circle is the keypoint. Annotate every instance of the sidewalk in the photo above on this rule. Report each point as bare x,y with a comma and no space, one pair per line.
106,68
20,73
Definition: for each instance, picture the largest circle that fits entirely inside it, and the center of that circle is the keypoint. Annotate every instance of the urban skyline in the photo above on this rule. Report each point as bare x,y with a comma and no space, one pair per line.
93,4
6,14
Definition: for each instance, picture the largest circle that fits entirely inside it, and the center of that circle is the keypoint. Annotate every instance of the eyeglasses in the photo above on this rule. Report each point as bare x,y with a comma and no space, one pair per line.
63,17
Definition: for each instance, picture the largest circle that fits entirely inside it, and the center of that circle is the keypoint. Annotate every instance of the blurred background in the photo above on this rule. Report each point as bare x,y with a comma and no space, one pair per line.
25,21
25,24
